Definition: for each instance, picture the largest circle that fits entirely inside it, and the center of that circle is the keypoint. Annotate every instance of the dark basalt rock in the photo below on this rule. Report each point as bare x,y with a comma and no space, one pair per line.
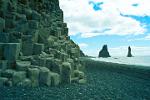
34,43
104,52
129,52
82,53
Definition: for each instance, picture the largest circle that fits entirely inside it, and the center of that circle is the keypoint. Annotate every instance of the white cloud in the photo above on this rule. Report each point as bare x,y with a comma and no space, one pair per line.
81,17
146,38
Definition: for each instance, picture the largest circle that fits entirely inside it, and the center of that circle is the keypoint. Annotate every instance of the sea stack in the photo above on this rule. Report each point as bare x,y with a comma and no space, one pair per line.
104,52
35,48
129,52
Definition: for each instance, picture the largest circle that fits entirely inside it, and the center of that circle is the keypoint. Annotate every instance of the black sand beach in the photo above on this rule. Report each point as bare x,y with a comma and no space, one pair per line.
106,81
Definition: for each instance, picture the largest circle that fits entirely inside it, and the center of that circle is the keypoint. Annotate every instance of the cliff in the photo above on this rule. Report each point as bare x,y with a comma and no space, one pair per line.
35,48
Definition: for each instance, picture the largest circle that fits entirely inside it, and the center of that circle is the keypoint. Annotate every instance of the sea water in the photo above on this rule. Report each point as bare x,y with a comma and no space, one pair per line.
137,60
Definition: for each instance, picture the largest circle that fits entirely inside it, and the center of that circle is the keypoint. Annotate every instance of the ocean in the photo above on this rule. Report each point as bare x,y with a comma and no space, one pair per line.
137,60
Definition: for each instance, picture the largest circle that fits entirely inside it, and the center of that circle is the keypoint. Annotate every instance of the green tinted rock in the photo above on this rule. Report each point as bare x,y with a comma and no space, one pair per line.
26,83
45,77
3,64
66,72
3,81
33,74
79,74
38,48
4,37
18,77
33,24
22,65
11,51
8,73
2,24
55,79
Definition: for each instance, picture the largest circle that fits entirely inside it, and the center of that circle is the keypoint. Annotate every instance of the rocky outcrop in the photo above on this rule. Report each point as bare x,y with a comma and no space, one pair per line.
82,53
35,48
104,52
129,52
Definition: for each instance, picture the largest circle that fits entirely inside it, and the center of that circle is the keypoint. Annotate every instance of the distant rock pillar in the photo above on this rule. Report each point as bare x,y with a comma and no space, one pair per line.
129,52
104,52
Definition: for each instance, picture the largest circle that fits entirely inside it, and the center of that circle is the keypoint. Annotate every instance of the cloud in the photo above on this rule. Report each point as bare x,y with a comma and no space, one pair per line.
146,38
81,17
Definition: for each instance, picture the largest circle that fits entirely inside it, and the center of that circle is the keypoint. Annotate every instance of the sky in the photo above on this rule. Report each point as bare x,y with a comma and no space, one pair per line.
117,23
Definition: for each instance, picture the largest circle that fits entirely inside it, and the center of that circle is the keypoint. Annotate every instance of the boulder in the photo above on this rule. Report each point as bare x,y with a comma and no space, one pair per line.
22,26
38,48
104,52
9,83
18,77
80,67
33,24
65,31
79,74
11,51
129,52
38,61
44,77
15,37
4,37
20,17
3,81
3,64
59,32
8,73
34,35
33,74
27,49
66,72
53,65
22,65
35,15
25,83
2,24
51,39
82,81
27,45
55,79
1,51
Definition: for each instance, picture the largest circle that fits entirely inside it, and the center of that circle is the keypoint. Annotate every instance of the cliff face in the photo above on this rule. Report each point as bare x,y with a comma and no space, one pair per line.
35,48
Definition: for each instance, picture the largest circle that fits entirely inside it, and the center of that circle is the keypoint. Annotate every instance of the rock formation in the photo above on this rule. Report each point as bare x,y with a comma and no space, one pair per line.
82,53
35,49
129,52
104,52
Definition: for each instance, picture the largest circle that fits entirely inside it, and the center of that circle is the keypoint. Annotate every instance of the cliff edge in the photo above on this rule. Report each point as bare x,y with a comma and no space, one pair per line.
35,48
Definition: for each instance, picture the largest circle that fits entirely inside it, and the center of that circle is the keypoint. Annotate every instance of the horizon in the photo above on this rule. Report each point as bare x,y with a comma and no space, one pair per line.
117,23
